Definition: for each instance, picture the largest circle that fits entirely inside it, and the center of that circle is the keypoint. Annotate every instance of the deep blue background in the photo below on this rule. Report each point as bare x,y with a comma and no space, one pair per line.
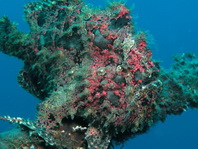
173,26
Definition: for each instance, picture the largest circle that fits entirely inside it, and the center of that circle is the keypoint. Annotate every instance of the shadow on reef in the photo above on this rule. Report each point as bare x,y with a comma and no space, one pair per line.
94,75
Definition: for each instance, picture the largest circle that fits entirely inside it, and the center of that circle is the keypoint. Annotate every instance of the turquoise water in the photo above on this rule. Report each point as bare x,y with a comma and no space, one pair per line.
173,29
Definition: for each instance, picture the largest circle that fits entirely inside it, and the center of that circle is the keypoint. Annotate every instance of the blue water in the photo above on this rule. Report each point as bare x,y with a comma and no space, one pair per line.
173,25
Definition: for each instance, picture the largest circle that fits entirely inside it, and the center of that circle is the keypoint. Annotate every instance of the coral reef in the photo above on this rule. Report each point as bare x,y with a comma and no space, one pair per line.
94,75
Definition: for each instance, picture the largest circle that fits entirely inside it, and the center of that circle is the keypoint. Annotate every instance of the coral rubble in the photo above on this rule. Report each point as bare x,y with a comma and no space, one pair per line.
94,75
